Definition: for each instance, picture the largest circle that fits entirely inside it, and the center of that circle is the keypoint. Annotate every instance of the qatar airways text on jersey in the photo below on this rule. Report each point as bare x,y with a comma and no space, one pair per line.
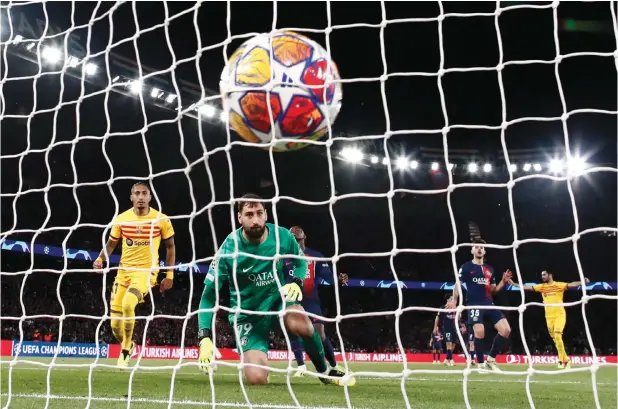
478,279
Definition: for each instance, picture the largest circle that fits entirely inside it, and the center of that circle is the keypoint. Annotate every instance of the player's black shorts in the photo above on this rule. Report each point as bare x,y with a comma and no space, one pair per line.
313,308
451,336
470,333
480,316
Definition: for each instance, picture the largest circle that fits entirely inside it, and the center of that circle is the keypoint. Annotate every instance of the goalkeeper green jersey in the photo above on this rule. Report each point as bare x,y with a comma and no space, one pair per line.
255,278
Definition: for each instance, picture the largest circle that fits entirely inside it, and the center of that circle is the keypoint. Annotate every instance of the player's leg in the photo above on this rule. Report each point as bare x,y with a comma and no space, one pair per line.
299,354
329,351
502,337
115,303
558,327
471,343
255,375
130,300
299,324
449,352
252,341
475,318
137,291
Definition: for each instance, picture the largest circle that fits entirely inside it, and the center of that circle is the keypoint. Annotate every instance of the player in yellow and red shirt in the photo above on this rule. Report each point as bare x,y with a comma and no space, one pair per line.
141,230
555,316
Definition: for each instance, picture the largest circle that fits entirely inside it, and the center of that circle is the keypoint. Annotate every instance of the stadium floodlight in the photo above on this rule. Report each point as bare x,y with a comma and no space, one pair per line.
487,167
537,167
402,163
513,167
207,110
556,166
135,86
374,159
472,167
223,117
451,166
29,46
527,167
352,155
385,161
576,166
155,92
72,62
51,54
435,166
90,68
170,98
413,164
18,38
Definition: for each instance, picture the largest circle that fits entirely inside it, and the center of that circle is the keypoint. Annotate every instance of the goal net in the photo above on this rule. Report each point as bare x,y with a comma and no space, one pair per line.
494,120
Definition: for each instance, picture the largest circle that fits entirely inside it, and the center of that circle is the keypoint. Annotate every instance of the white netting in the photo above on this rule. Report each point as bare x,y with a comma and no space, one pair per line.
51,51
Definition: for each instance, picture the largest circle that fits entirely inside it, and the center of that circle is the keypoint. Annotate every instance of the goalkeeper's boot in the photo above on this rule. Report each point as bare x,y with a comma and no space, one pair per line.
490,363
337,374
560,365
301,371
567,365
124,358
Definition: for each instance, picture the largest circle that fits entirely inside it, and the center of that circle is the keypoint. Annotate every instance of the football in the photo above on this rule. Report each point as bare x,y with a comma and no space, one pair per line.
291,72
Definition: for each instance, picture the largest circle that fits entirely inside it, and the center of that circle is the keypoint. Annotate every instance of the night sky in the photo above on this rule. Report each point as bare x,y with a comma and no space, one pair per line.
105,136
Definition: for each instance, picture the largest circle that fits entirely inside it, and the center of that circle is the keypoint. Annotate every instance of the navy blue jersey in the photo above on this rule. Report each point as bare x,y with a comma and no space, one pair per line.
436,341
478,279
318,270
446,321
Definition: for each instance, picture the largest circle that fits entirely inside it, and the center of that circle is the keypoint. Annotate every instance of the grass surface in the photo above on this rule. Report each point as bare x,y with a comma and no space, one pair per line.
428,386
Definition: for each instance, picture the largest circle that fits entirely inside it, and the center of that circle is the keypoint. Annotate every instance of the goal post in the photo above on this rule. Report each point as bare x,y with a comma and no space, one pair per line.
84,116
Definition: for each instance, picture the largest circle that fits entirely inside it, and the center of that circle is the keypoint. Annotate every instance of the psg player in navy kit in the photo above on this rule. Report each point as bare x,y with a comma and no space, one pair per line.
311,299
445,320
481,285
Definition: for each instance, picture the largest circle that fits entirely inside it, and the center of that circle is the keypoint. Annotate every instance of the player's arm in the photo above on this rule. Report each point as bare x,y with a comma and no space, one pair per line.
167,234
300,264
496,288
525,287
170,261
217,275
436,322
575,284
325,273
218,268
294,290
112,242
462,274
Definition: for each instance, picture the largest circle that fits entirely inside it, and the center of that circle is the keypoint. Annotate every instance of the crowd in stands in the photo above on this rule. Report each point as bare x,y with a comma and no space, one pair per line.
38,299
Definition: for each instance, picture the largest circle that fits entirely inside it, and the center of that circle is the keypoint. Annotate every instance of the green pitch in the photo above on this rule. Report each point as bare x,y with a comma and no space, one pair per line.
151,388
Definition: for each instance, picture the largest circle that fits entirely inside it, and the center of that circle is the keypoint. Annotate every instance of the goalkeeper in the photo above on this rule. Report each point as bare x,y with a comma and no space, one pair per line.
256,287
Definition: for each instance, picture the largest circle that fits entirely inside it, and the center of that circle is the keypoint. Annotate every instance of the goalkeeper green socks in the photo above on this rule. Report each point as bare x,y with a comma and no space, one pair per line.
315,350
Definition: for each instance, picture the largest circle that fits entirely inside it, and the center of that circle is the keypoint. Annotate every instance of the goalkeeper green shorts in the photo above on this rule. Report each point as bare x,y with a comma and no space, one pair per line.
253,332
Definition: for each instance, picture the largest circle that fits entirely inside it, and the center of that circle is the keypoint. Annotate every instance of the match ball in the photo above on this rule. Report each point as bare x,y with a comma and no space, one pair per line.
304,97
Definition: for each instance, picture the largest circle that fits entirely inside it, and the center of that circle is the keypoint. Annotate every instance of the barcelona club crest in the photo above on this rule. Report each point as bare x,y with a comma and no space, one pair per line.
139,229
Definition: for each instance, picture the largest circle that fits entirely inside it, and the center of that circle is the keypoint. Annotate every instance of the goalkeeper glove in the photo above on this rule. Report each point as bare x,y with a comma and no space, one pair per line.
294,290
207,350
